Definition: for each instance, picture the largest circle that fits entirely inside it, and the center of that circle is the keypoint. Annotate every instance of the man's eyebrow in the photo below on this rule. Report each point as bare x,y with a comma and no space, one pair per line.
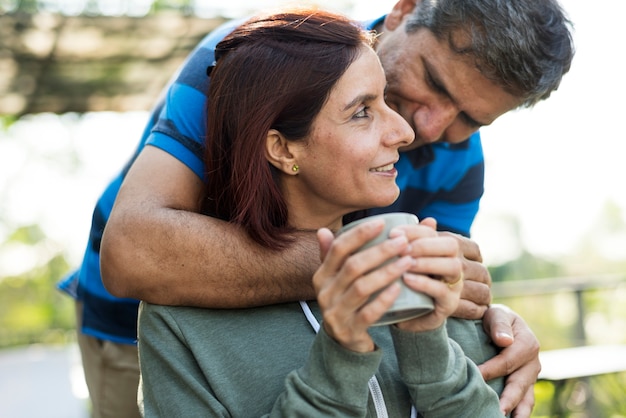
359,99
435,79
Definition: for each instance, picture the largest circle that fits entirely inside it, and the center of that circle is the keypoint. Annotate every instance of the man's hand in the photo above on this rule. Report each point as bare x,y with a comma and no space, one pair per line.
519,359
476,295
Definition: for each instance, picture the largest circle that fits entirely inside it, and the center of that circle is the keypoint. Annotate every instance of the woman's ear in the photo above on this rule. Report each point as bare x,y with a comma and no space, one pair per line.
401,9
278,152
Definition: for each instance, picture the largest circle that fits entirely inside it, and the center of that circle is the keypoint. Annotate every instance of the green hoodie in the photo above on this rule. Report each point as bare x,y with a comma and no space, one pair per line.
269,361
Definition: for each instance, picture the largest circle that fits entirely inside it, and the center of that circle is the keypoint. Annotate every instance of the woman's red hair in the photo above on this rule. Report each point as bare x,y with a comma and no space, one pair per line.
272,72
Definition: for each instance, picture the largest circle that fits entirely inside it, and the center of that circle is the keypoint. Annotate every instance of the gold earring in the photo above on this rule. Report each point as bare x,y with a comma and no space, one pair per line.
295,168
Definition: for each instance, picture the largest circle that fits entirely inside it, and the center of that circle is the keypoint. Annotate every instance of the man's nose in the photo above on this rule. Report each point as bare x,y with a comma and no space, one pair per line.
431,122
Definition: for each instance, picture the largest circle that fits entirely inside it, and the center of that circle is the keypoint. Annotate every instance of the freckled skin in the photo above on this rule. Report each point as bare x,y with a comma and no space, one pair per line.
345,146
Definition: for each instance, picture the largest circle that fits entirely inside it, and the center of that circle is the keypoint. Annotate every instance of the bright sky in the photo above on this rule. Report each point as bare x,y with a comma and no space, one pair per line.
552,167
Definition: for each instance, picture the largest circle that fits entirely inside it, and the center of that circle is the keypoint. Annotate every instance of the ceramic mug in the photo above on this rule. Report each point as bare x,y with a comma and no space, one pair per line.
409,304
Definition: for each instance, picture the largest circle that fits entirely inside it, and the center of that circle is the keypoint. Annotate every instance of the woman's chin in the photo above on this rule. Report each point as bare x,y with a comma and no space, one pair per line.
384,201
389,198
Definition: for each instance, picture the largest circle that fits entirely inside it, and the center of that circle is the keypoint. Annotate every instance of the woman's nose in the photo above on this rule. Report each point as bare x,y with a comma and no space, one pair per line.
401,132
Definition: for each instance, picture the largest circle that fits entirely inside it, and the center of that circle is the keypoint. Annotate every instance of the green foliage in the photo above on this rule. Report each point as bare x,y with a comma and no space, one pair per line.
598,396
544,394
32,310
29,235
6,121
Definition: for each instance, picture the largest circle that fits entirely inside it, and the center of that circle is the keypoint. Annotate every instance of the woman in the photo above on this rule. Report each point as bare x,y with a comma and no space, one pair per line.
299,135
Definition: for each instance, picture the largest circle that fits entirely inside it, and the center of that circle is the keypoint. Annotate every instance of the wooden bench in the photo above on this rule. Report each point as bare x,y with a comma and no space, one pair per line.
578,364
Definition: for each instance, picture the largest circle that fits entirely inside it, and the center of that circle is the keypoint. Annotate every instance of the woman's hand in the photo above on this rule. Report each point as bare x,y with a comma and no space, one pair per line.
476,295
437,272
347,280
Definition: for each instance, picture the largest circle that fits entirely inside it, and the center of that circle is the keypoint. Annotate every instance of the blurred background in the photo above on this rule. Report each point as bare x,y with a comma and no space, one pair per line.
77,78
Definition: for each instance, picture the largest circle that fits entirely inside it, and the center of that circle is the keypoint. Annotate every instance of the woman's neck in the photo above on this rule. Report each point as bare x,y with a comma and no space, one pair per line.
311,222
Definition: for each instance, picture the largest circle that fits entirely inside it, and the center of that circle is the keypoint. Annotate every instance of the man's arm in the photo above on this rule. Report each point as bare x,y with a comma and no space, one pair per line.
157,247
519,358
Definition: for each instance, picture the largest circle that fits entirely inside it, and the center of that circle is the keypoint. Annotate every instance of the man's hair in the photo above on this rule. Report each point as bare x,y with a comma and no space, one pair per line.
524,46
272,72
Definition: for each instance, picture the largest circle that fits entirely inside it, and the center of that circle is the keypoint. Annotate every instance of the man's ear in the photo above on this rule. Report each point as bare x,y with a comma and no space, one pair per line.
278,153
399,11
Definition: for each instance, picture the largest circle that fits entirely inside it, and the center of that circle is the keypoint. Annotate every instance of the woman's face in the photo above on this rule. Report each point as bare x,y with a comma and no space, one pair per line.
347,162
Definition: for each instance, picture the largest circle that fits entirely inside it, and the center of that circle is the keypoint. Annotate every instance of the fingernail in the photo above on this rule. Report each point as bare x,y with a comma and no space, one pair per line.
396,232
399,241
406,261
411,278
505,335
375,223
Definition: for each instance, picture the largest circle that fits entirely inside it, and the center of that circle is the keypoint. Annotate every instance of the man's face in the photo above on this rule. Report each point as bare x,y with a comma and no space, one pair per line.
438,92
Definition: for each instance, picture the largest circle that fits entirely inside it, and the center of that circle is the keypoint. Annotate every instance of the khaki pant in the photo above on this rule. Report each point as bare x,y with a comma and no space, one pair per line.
111,373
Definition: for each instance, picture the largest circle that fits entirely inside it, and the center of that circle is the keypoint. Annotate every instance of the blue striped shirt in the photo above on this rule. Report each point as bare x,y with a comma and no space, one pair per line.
440,180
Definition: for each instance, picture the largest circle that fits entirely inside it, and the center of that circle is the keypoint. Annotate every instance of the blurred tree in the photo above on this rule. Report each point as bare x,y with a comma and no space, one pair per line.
526,266
91,62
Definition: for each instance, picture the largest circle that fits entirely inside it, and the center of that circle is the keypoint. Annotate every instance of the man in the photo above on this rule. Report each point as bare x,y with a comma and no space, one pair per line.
445,81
